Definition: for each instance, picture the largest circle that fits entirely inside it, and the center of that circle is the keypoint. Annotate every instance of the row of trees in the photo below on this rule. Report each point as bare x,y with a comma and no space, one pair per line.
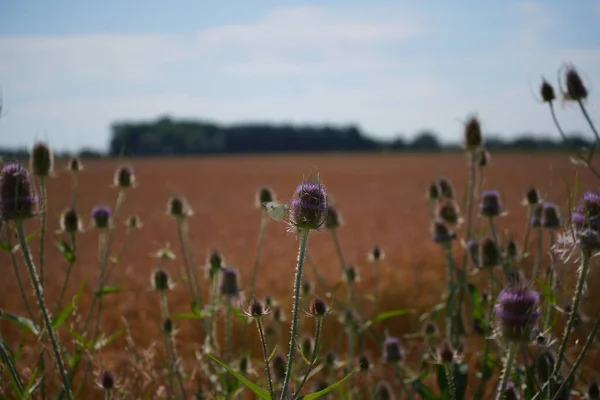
165,137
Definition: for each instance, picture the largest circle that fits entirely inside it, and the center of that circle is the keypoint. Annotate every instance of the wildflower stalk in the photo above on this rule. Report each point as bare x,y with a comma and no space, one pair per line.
551,282
583,272
213,306
7,360
165,311
63,289
486,342
527,232
450,296
113,265
469,206
479,189
74,188
538,254
263,343
301,253
228,328
17,273
376,272
315,354
107,394
508,363
41,303
42,227
191,276
589,120
450,379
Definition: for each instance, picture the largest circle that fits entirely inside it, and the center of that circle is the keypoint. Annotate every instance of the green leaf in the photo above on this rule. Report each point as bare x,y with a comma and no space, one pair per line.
67,310
187,316
24,323
66,250
262,393
272,353
5,247
328,389
424,391
109,289
387,315
103,342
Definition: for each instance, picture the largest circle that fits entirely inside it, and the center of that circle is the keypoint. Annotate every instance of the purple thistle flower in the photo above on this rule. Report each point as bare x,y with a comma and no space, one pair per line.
585,220
308,208
229,286
17,197
392,351
550,216
517,312
101,217
441,232
490,204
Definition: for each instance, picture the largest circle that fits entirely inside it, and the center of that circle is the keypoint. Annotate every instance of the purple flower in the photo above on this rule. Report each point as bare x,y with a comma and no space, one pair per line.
308,208
441,232
229,282
392,352
586,221
550,216
517,311
17,197
490,204
101,217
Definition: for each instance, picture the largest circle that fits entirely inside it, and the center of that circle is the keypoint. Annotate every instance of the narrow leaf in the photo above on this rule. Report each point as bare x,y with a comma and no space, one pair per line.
328,389
262,393
24,323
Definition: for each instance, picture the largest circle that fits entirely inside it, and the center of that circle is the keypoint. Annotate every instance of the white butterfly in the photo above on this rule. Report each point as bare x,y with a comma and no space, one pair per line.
276,210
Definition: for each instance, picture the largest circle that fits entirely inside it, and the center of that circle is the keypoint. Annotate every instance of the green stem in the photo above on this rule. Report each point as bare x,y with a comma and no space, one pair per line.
63,289
469,206
228,330
42,304
450,379
17,273
538,255
42,227
263,343
479,190
301,252
486,343
211,320
107,394
510,358
525,250
450,295
583,272
7,359
551,283
74,188
313,359
589,120
495,238
171,343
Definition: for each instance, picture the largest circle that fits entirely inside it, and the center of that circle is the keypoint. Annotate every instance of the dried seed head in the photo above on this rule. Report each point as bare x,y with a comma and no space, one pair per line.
124,177
351,275
364,363
532,197
318,308
376,254
442,234
473,138
134,222
101,217
433,192
256,308
550,216
17,197
547,92
392,352
41,160
446,189
536,217
264,195
544,365
107,380
229,282
446,353
308,208
511,249
178,207
279,366
161,280
448,212
384,391
167,325
517,312
74,165
489,253
576,90
593,391
69,221
490,204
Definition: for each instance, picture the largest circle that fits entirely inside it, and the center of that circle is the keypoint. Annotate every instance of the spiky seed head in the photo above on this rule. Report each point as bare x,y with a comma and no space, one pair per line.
511,249
547,92
167,325
532,196
318,308
134,222
430,329
70,221
334,219
229,286
279,366
215,264
384,391
543,365
483,158
517,312
107,380
511,392
41,160
536,216
593,391
74,165
101,217
490,205
575,89
178,207
307,288
392,351
446,352
17,196
448,212
256,308
124,177
364,363
550,216
489,253
264,195
441,232
433,192
351,274
308,208
376,254
446,189
160,280
586,221
473,138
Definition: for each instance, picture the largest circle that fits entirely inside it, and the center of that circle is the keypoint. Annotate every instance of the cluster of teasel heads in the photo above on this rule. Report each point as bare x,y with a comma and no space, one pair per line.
515,315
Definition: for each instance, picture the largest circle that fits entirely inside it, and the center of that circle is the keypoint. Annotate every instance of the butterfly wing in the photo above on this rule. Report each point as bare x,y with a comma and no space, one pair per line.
276,210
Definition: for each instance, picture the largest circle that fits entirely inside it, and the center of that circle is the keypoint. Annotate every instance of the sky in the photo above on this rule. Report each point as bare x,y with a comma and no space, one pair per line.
69,69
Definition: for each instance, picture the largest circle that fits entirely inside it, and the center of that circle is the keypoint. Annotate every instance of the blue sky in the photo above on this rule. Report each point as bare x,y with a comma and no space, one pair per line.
69,69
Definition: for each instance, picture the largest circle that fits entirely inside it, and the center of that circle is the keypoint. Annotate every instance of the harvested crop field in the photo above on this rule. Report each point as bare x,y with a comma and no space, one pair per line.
381,198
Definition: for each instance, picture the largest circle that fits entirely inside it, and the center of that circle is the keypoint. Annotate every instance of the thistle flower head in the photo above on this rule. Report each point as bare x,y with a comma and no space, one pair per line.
124,177
161,280
334,219
318,308
441,232
547,92
107,380
330,359
517,311
511,249
41,160
244,364
446,353
550,216
264,195
448,212
376,254
511,392
532,197
575,88
384,391
433,192
214,264
101,217
586,221
17,197
473,138
74,165
70,221
308,208
178,207
490,205
472,249
256,309
446,189
392,351
229,286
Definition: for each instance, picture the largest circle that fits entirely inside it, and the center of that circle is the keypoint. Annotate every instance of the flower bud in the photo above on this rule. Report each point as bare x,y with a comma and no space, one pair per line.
167,326
442,234
489,253
256,308
576,90
124,177
134,222
446,189
318,308
448,212
279,366
364,363
42,160
490,204
101,217
547,92
550,216
107,380
376,254
17,197
334,218
308,208
74,165
446,353
69,221
532,197
433,192
264,195
177,207
229,282
161,280
517,312
473,137
392,352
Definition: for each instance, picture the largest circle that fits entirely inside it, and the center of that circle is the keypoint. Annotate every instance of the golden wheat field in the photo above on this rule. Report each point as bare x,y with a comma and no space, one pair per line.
381,199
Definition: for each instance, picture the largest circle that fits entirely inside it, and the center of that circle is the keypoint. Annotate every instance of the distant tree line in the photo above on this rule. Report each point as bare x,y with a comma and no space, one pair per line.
165,137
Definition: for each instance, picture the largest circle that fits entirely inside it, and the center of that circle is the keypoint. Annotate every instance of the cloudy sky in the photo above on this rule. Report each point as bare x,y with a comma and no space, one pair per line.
68,69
